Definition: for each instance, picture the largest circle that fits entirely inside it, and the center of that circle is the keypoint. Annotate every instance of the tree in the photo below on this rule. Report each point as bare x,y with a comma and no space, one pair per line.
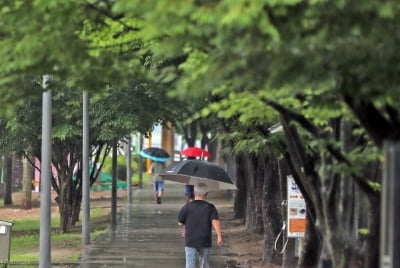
300,58
114,113
325,70
96,41
81,42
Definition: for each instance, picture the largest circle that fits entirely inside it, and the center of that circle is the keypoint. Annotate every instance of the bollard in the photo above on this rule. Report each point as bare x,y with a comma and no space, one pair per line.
5,242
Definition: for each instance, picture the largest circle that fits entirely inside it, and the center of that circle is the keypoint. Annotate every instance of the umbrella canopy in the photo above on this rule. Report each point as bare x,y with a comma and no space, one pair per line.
195,152
155,154
197,172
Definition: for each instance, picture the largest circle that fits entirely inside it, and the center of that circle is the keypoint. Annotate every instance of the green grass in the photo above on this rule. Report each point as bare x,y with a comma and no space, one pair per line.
31,225
25,237
26,247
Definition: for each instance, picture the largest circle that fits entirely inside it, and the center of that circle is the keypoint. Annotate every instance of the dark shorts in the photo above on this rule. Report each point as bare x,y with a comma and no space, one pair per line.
158,186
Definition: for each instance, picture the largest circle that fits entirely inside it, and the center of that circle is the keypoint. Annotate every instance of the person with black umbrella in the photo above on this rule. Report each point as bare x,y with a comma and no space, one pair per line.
199,217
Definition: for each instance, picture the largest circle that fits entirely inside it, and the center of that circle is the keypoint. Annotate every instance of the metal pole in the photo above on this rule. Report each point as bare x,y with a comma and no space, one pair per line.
129,170
114,185
85,173
140,162
45,181
390,209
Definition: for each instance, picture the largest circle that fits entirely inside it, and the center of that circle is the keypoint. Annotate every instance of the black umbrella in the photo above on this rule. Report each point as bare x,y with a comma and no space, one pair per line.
197,171
155,154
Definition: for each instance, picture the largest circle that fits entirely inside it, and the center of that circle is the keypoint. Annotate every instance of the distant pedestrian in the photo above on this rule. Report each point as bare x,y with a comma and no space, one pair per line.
158,182
189,192
189,189
199,217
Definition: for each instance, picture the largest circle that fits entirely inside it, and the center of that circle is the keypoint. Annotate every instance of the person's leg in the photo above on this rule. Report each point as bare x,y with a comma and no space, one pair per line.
191,257
160,191
160,188
155,190
204,255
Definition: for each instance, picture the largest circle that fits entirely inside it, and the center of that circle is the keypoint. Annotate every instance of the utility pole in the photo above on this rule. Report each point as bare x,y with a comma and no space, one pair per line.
45,181
85,172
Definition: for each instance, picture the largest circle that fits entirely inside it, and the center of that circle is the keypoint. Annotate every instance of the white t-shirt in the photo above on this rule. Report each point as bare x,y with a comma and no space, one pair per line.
155,169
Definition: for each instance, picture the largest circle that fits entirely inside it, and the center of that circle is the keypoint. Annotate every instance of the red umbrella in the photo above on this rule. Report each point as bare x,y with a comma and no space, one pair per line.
196,152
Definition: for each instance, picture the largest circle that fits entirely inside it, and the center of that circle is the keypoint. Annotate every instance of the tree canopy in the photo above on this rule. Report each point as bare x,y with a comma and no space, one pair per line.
320,68
325,71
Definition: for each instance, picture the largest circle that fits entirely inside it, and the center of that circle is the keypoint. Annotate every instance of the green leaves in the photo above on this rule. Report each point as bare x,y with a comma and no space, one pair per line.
80,42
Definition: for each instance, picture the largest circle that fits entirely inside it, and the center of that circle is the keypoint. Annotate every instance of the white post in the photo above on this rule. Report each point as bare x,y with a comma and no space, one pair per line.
85,173
45,181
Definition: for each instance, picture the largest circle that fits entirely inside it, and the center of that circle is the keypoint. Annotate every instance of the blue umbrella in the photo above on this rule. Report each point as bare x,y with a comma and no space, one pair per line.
155,154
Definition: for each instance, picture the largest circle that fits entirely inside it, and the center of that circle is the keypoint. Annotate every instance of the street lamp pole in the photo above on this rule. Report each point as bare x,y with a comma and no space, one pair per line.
85,172
45,180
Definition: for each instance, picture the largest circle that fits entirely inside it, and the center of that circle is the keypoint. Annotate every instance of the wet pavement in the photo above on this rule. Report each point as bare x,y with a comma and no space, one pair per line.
146,235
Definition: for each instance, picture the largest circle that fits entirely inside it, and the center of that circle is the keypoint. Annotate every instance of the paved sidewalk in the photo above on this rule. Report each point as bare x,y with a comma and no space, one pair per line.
147,235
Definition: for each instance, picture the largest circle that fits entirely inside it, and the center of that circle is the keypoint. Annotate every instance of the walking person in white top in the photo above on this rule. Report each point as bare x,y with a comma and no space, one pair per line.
158,182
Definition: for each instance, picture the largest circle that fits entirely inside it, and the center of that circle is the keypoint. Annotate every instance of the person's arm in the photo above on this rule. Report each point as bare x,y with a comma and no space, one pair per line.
217,227
183,230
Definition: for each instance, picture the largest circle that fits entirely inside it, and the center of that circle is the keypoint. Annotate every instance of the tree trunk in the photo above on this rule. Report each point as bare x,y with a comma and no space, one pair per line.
190,133
254,182
8,180
371,252
27,179
76,209
240,197
272,217
310,254
330,194
64,202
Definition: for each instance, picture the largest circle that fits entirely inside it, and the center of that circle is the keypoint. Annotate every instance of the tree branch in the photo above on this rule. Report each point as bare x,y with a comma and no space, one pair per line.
289,115
108,14
377,126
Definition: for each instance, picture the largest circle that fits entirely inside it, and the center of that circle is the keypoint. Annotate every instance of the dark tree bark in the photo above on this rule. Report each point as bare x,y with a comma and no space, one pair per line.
8,180
310,254
190,133
371,253
64,202
378,126
272,217
240,203
331,195
254,182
